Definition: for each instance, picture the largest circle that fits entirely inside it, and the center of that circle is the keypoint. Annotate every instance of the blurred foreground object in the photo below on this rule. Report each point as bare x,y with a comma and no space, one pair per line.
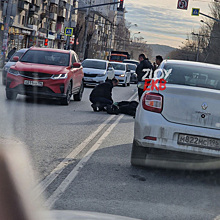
16,182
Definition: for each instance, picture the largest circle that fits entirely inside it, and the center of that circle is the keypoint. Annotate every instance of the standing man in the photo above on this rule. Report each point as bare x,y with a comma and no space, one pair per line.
144,64
159,60
101,95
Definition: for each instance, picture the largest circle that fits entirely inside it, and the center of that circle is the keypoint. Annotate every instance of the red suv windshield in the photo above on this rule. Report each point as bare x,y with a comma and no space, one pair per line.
46,57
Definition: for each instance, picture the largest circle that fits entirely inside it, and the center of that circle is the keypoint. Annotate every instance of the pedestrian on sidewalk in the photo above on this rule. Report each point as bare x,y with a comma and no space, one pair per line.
101,95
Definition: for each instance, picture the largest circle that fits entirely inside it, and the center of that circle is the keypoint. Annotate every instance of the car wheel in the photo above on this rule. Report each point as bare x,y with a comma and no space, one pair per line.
138,154
78,96
128,84
10,95
66,100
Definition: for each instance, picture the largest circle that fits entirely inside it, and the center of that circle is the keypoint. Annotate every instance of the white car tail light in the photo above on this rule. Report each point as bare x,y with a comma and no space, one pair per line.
153,102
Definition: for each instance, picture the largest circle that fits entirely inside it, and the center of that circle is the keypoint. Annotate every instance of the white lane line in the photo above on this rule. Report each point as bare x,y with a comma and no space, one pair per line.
41,187
72,175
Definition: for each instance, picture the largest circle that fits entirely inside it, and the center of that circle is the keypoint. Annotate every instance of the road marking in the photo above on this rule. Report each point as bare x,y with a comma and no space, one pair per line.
42,186
72,175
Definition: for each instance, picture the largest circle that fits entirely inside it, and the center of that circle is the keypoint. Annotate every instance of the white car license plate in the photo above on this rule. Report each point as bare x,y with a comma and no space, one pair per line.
33,83
198,141
88,79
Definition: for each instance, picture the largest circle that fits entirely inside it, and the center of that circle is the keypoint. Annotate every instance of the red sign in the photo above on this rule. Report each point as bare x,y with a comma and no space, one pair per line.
182,4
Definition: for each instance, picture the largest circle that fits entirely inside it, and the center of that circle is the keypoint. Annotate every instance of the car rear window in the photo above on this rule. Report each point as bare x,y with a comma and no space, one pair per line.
204,77
46,57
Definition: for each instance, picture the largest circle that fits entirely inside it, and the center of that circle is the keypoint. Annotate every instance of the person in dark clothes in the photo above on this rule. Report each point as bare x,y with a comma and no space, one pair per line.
101,95
144,64
159,60
10,54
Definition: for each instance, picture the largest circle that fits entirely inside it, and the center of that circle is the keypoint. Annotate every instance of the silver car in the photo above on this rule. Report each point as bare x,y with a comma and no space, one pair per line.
179,127
10,63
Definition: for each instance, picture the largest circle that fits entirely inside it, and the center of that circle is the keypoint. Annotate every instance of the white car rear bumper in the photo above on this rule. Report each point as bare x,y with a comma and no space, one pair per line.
155,125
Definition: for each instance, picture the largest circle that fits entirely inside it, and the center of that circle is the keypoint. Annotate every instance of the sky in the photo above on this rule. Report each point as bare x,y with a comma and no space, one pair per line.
160,22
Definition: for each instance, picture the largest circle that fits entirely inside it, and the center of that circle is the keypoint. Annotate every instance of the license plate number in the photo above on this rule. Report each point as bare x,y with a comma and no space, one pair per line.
88,79
33,83
198,141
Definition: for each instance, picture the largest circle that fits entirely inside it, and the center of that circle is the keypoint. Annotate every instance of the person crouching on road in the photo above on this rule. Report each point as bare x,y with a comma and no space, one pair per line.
101,95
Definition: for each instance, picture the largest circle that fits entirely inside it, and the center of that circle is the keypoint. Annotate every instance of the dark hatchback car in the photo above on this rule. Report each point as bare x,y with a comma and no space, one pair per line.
47,73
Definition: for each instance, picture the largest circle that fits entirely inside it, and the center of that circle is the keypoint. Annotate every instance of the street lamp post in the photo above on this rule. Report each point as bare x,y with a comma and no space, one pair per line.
135,34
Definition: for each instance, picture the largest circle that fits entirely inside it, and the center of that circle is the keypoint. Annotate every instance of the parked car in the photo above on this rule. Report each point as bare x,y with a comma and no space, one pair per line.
131,61
97,71
10,63
179,127
45,72
132,68
122,73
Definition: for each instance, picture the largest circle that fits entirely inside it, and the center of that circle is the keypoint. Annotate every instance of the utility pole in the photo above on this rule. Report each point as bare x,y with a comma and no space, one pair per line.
86,30
6,29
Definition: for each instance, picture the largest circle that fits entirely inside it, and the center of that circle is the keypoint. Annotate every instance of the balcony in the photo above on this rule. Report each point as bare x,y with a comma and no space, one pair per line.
23,5
53,16
62,13
56,2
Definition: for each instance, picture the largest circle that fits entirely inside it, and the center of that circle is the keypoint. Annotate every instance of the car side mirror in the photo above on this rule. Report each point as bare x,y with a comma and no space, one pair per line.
76,65
15,58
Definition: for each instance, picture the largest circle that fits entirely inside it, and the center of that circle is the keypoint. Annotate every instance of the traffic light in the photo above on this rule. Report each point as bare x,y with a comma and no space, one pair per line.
121,5
46,42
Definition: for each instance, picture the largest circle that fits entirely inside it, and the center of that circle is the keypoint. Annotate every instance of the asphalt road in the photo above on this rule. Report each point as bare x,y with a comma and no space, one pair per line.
83,162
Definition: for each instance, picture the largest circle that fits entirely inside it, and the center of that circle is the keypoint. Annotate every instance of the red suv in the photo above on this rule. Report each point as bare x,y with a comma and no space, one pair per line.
48,73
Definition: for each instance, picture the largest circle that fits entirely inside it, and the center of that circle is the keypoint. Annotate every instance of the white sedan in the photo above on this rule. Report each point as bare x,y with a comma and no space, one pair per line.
97,71
122,73
179,127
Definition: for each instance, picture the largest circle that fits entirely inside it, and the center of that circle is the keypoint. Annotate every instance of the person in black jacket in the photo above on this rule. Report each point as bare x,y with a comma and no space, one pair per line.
144,64
101,95
10,54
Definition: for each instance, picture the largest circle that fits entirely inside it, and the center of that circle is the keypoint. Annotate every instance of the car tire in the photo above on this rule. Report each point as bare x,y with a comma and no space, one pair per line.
128,84
138,154
10,95
66,100
78,96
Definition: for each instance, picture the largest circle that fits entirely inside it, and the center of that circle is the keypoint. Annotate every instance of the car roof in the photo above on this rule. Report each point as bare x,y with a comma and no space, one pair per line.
98,60
191,63
23,50
50,50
